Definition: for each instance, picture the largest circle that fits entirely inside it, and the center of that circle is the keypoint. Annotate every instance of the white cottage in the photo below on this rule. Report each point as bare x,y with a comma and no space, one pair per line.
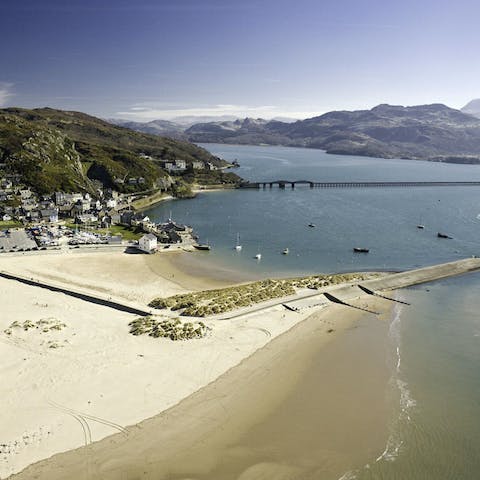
148,243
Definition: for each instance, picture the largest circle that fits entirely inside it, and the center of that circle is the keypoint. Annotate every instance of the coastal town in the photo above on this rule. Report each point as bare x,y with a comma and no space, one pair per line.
31,222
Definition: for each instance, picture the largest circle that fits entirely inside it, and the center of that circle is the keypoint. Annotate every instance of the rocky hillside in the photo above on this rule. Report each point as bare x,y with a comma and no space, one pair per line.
58,150
428,132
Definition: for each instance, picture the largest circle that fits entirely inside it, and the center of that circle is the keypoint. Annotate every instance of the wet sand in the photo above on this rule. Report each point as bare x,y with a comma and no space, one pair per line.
310,404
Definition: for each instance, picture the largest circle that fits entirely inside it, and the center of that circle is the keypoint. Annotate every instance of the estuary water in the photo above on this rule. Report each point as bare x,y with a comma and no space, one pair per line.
434,426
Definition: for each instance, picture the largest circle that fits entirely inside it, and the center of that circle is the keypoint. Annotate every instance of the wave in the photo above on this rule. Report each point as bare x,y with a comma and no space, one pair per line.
406,401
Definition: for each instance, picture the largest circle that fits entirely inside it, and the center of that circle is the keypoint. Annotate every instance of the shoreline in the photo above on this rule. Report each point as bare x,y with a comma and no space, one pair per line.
150,201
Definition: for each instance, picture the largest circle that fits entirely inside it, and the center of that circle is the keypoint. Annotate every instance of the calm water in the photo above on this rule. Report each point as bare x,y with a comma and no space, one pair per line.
435,426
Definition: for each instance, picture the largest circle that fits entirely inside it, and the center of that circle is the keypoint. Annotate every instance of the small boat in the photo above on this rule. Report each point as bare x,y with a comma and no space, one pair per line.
199,246
238,247
312,225
360,250
442,235
421,227
258,256
286,251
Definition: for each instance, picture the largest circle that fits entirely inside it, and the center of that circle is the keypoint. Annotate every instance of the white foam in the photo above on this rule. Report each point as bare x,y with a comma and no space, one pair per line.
348,476
407,402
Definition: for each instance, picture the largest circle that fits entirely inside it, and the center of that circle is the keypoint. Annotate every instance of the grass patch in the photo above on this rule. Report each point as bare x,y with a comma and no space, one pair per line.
171,328
211,302
5,225
44,325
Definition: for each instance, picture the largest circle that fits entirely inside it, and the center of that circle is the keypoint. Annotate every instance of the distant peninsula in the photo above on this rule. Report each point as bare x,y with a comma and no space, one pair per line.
425,132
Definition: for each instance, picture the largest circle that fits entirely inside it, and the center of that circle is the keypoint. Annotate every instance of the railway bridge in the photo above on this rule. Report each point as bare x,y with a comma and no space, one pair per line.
314,184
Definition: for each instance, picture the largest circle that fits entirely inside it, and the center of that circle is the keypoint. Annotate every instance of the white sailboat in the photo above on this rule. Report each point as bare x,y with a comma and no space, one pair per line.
238,247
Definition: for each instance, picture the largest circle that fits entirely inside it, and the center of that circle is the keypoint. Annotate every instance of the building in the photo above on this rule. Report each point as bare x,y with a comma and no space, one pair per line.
49,215
198,165
148,243
178,166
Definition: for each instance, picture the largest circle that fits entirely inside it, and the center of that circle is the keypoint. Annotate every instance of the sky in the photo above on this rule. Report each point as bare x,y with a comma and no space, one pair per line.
147,59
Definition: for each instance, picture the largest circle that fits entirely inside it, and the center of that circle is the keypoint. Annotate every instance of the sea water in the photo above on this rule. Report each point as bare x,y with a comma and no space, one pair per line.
435,385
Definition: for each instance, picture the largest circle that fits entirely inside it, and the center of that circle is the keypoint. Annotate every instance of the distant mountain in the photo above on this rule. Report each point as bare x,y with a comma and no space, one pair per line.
156,127
176,127
57,150
472,108
428,132
247,131
189,120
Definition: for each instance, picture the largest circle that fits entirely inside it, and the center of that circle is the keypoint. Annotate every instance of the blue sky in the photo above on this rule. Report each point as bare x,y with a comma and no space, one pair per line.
146,59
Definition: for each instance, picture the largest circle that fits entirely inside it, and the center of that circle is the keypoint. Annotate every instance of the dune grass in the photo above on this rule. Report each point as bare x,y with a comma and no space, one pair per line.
171,328
211,302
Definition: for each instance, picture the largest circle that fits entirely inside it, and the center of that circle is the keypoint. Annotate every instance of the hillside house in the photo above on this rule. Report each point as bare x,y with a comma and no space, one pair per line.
49,215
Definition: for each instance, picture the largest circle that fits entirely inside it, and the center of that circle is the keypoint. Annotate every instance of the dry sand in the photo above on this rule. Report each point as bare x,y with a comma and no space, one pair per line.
133,277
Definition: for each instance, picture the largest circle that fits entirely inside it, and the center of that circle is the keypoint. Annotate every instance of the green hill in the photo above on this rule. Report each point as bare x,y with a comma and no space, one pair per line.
59,150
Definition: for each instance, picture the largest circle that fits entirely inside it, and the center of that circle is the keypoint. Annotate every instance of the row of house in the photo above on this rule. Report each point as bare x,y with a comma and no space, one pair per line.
181,166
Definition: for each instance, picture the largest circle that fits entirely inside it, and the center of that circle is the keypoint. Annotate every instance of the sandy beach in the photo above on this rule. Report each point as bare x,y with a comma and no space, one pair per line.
59,398
270,393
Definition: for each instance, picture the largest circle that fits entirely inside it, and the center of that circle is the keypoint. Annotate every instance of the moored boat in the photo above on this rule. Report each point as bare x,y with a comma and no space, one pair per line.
238,247
361,250
199,246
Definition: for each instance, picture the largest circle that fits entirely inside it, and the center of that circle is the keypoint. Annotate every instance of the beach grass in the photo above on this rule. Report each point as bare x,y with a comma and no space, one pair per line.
172,328
212,302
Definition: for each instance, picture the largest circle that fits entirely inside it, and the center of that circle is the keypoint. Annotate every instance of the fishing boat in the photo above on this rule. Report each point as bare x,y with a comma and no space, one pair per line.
238,247
360,250
286,251
200,246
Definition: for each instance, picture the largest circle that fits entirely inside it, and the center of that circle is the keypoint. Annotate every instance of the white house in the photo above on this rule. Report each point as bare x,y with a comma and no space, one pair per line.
148,243
111,203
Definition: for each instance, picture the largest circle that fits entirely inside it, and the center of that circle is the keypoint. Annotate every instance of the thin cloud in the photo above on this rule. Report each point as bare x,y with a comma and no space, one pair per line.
5,92
146,113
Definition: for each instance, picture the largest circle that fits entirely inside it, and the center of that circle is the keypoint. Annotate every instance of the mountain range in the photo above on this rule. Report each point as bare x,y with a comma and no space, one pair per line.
427,132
